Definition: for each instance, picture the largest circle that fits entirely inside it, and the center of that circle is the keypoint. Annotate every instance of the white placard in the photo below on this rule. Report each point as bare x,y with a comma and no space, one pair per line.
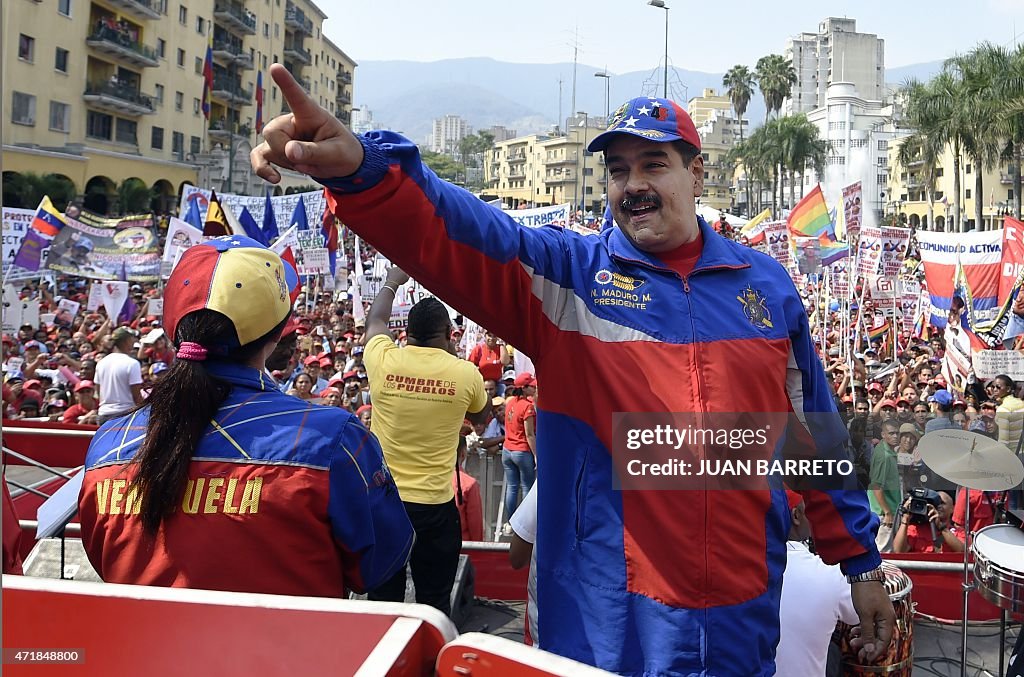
114,295
991,363
95,299
11,310
156,307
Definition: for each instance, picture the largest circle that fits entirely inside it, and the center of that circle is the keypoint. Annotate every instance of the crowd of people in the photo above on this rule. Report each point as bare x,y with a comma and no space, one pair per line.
388,414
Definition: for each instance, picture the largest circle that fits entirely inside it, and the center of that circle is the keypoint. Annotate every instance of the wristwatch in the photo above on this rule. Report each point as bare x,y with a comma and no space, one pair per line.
875,574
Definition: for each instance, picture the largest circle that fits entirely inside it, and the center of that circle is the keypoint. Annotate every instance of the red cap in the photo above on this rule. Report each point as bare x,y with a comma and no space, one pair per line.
85,385
291,327
32,383
524,379
312,359
325,362
876,386
888,403
337,380
363,409
350,374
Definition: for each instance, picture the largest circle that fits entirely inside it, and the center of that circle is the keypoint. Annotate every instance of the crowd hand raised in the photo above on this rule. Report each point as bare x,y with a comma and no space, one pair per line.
308,140
397,276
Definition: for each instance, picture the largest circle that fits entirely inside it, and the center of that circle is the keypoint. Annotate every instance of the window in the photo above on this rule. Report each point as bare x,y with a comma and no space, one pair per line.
1009,194
179,101
858,143
195,106
26,48
60,61
159,96
161,6
127,132
839,143
277,30
23,110
967,170
64,7
967,193
883,161
178,143
161,48
157,138
264,60
883,144
183,15
200,25
199,66
273,93
938,195
181,58
60,117
276,60
193,145
266,30
938,172
98,125
883,179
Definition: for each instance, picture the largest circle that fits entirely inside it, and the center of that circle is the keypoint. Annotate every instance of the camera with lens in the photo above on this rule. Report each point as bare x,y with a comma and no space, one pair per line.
920,499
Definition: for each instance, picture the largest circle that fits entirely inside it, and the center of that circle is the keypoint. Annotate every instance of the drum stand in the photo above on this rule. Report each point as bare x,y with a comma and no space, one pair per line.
968,585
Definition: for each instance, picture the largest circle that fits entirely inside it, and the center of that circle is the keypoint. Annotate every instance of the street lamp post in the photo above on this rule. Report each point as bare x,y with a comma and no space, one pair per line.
584,151
607,112
662,5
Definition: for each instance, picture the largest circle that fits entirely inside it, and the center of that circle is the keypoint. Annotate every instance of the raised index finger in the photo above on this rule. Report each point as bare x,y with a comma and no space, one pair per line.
299,102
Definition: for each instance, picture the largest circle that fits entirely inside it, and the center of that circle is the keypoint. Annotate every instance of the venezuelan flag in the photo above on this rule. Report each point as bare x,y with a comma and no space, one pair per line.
879,331
810,217
47,220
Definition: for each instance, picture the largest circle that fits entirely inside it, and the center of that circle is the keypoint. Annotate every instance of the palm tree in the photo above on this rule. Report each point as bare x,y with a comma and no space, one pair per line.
940,102
134,196
26,190
979,112
739,86
801,148
1010,88
775,76
761,155
925,145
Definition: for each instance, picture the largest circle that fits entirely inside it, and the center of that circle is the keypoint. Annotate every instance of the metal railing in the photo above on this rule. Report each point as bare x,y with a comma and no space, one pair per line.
240,14
120,91
123,40
296,18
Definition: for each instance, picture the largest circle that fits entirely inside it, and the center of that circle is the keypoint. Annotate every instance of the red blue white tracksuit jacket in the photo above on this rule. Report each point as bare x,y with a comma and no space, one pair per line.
283,497
643,582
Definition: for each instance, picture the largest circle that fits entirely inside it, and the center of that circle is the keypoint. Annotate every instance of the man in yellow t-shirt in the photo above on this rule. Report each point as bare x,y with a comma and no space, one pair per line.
421,394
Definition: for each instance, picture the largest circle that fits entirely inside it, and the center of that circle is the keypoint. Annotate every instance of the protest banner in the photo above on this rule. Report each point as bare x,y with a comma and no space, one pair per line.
777,236
851,207
30,313
92,304
283,205
557,215
155,307
910,301
894,250
979,254
106,249
869,252
15,225
114,295
312,256
180,236
66,312
1012,255
991,363
956,363
883,294
808,254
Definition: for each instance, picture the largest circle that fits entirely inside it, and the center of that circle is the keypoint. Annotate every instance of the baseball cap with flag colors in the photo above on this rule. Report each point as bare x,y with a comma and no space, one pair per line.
236,277
653,119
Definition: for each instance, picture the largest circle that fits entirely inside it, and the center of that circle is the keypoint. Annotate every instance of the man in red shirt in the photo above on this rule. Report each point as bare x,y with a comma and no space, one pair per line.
983,509
467,497
86,404
490,356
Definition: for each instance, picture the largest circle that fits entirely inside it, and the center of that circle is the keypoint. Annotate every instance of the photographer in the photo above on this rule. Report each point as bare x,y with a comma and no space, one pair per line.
925,524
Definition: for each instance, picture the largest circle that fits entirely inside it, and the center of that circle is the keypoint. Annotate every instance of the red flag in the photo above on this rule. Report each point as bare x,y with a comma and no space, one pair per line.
208,77
259,102
1012,256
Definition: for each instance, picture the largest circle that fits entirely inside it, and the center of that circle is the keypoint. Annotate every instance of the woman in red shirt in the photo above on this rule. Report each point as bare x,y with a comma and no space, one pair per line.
491,357
518,454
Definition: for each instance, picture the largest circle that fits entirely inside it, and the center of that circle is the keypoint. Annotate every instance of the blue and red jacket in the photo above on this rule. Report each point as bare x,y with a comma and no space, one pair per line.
283,497
652,582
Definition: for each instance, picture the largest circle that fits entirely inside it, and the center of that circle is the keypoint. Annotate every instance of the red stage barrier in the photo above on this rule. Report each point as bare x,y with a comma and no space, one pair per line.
939,593
55,449
126,629
495,578
479,654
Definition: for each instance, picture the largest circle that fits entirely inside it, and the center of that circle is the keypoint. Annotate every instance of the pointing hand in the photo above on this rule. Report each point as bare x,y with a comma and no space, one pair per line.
308,140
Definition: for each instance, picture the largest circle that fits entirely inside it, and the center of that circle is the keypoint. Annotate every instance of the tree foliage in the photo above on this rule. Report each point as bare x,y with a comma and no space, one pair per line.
26,190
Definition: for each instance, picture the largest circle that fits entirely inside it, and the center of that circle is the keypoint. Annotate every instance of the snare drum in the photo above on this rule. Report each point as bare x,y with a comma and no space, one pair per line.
898,661
999,565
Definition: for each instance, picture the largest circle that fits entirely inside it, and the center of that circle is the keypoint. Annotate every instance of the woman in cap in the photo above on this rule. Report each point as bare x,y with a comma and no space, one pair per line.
219,480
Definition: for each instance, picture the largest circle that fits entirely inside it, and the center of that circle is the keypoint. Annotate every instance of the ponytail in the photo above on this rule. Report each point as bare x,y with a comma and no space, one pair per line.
181,406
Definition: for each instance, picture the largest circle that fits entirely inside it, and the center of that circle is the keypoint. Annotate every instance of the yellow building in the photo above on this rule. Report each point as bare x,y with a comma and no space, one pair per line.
102,91
907,192
718,134
542,170
702,108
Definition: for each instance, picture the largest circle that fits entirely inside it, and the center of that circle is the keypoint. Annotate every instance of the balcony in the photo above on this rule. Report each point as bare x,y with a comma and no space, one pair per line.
120,48
118,98
296,19
139,9
565,177
228,52
516,175
516,157
1006,178
297,53
220,132
343,98
344,76
235,17
231,92
305,84
344,116
915,164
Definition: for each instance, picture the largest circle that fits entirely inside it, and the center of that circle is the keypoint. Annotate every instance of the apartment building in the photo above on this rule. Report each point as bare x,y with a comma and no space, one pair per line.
541,170
103,91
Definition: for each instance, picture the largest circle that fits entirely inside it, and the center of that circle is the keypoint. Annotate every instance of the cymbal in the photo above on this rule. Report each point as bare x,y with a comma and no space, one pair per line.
971,460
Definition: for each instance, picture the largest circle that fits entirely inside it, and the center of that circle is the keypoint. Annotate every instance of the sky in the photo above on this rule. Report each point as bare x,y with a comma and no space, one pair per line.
628,35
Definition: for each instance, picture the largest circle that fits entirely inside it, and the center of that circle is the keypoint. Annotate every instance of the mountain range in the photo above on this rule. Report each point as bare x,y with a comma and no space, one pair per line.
407,95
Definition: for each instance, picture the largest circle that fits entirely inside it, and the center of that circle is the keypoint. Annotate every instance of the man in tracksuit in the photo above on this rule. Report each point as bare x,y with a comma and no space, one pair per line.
658,315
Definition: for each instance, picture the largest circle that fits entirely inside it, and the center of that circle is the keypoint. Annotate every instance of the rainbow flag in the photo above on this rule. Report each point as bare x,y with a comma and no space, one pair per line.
879,331
833,251
47,220
810,216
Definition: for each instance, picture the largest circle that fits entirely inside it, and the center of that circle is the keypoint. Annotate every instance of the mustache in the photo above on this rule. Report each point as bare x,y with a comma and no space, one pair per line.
631,202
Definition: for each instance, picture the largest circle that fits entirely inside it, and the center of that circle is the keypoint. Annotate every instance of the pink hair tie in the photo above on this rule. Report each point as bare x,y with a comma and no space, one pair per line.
192,351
